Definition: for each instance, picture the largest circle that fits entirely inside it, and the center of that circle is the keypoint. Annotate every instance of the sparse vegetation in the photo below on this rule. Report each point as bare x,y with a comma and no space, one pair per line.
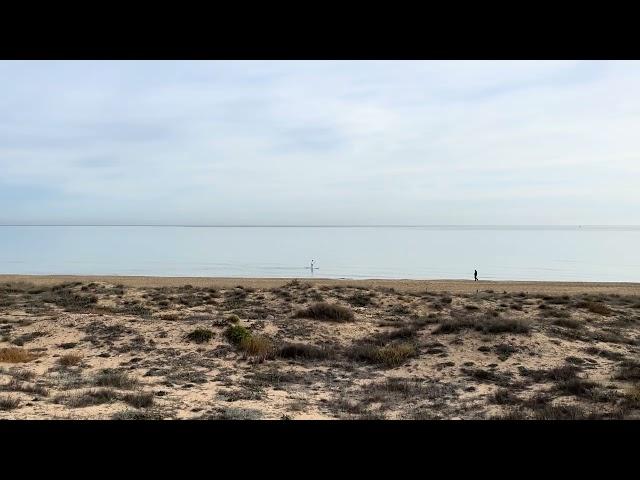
8,403
70,360
139,399
596,307
487,324
303,351
578,363
236,333
390,355
200,335
327,311
88,398
257,346
113,378
16,355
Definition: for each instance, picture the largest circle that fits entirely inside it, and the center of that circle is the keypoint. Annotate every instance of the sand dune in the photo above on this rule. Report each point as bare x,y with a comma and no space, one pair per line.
188,348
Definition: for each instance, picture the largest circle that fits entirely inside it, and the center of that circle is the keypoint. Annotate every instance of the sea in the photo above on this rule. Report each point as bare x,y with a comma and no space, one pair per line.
551,253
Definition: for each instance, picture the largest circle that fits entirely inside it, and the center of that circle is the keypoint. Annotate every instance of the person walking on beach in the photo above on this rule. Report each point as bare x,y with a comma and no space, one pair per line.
475,275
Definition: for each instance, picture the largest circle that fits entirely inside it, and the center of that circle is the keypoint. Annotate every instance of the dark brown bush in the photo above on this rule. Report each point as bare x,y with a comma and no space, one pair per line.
302,350
326,311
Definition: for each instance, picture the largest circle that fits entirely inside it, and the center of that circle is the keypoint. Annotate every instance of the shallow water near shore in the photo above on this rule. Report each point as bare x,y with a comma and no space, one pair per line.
444,252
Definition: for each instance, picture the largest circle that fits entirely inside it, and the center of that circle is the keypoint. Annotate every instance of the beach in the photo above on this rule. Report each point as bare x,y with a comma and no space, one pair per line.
133,347
413,286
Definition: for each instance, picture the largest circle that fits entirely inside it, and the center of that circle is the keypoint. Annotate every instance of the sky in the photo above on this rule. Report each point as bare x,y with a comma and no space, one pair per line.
320,142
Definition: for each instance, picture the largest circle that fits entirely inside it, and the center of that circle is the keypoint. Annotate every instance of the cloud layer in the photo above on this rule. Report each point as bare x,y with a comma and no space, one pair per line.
310,142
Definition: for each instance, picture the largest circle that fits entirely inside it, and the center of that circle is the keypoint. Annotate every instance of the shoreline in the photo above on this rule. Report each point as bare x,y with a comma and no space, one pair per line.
407,285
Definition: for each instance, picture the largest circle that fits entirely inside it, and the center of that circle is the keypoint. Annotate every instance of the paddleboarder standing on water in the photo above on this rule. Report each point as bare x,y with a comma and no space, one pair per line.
475,275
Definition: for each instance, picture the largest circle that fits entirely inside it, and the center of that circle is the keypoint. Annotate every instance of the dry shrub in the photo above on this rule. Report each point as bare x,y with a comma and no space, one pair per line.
88,398
112,378
488,324
16,385
257,346
302,350
70,360
9,403
326,311
628,370
139,399
595,307
16,355
567,323
200,335
390,355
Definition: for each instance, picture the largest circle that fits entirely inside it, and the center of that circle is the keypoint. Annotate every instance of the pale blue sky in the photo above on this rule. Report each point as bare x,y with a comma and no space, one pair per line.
316,142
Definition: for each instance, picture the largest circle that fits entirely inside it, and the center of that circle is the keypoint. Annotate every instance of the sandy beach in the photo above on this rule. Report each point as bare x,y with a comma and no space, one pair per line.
453,286
236,348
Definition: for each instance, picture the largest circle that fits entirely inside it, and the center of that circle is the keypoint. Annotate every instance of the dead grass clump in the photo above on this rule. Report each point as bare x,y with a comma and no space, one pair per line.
9,403
396,354
571,323
628,370
70,360
504,396
17,386
488,324
608,354
454,325
16,355
632,397
137,415
258,346
402,333
503,325
135,309
505,350
576,386
88,398
139,399
555,313
200,335
483,376
560,412
390,355
27,337
113,378
326,311
595,307
65,297
303,351
24,375
360,299
557,374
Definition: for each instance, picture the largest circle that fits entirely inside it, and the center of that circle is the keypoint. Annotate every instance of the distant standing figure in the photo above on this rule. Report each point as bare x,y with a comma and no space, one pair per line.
311,266
475,275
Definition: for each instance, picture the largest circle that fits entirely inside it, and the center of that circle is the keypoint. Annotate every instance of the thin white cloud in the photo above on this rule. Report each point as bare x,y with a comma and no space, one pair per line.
319,142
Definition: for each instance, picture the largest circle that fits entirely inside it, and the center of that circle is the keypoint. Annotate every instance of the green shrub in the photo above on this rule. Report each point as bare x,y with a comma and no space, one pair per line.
236,333
200,335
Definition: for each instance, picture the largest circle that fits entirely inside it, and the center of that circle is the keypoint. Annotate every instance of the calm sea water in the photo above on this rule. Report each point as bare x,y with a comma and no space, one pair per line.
498,253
